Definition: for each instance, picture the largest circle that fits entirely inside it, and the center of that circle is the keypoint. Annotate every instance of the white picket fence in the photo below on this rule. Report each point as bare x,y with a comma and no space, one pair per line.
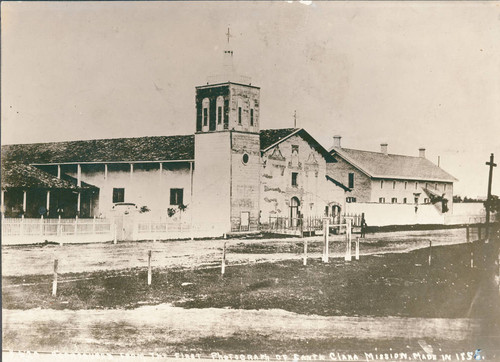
16,231
160,230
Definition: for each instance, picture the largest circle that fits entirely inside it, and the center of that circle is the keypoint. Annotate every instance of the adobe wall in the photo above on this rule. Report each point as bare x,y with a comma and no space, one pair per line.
313,189
362,183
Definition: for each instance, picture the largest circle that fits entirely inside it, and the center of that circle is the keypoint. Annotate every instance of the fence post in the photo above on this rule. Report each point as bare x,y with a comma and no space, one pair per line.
326,232
76,224
54,282
468,234
114,233
41,225
472,255
357,248
430,252
479,232
149,267
59,232
21,228
93,226
348,252
223,264
305,252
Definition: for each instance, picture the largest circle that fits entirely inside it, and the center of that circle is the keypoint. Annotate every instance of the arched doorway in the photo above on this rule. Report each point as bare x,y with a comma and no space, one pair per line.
294,211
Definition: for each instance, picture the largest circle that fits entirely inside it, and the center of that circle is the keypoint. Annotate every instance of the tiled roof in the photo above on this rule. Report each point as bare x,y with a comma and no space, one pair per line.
159,148
17,175
380,165
162,148
269,137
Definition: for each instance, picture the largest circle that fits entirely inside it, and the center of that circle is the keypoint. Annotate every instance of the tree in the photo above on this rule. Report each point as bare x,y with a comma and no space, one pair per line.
494,203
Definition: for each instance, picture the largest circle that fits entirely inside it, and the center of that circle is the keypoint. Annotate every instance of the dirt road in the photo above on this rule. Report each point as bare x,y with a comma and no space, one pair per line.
38,259
155,327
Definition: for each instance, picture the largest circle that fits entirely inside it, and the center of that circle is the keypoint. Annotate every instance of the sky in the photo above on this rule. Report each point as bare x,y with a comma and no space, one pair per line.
413,74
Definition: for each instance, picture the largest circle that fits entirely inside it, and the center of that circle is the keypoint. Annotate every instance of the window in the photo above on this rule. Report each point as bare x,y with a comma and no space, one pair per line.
406,184
426,185
294,178
118,195
206,104
405,200
416,185
381,200
426,200
205,116
239,115
436,186
394,200
176,196
393,185
245,158
219,104
381,184
351,180
444,187
219,115
350,199
251,117
416,200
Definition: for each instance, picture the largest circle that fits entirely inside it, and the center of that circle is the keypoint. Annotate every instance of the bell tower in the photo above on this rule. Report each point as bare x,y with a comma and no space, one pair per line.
226,181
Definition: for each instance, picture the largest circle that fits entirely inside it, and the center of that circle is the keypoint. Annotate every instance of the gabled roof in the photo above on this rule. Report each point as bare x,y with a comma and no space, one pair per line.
162,148
380,165
269,138
17,175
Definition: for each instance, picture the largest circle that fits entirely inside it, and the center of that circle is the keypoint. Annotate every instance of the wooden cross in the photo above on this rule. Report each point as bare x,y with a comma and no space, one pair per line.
228,34
488,198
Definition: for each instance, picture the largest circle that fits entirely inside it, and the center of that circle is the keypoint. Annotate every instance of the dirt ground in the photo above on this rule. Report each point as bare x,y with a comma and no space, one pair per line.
39,259
389,302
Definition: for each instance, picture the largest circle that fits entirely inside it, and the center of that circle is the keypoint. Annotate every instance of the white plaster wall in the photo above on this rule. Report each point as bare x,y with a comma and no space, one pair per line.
211,203
143,187
396,214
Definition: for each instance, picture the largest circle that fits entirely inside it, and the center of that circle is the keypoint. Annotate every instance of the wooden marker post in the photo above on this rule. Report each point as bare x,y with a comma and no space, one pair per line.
54,282
149,267
357,248
305,252
430,252
472,255
223,263
468,233
115,236
479,232
348,252
326,226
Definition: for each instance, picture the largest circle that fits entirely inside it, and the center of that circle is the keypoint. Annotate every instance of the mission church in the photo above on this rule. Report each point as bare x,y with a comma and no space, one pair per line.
230,175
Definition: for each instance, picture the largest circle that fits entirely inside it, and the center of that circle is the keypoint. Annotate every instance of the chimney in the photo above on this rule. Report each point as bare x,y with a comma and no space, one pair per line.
421,152
336,141
383,148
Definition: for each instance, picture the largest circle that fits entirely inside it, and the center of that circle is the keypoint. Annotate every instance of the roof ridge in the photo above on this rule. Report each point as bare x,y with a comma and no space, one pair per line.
96,139
380,153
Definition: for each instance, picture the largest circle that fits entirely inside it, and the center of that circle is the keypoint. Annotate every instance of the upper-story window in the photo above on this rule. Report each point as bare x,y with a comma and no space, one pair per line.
394,200
444,187
351,180
381,184
294,179
393,185
239,115
381,200
406,184
416,185
220,107
251,116
205,106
